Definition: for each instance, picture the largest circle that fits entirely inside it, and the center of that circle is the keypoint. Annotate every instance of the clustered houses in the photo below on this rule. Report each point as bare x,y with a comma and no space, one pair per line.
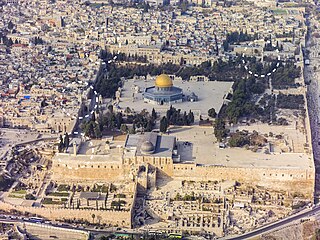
44,78
197,35
51,48
49,53
42,91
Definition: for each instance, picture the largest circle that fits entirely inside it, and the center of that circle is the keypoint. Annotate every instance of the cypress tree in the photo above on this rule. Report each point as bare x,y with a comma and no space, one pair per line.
163,125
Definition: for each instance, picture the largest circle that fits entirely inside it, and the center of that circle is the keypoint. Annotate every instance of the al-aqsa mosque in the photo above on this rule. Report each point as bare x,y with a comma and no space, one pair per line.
163,93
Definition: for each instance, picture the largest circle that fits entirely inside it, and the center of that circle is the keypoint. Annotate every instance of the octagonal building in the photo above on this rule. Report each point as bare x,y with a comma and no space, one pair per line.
163,92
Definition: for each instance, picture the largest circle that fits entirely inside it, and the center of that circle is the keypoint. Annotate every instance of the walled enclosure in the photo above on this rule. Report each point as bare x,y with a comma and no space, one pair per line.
285,179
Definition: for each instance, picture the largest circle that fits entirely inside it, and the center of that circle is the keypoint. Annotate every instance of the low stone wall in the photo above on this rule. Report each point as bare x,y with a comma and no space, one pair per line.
46,226
36,140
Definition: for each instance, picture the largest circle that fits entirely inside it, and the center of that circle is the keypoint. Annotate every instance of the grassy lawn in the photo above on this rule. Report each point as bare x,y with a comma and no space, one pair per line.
63,188
59,194
102,188
16,196
19,192
50,201
279,11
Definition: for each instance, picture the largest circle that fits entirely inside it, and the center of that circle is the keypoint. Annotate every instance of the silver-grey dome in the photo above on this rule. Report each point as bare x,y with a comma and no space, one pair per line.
147,147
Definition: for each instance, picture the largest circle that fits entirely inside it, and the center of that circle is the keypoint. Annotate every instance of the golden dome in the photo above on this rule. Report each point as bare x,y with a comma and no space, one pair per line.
163,81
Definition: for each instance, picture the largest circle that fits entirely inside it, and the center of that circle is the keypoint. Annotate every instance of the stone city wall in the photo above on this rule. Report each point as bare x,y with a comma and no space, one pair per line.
120,218
293,180
73,172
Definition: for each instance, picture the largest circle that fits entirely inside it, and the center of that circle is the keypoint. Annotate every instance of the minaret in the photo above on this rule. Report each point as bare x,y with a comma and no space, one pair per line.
74,149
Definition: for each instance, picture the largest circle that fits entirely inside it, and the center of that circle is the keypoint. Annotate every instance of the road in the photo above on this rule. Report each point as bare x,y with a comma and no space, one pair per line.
13,219
278,224
255,233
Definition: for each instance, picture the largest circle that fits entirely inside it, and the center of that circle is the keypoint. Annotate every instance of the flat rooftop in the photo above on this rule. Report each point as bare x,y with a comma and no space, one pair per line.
163,145
211,95
93,151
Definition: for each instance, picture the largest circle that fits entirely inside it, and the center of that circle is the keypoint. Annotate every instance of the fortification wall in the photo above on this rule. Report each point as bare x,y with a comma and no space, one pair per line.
120,218
293,180
89,171
287,179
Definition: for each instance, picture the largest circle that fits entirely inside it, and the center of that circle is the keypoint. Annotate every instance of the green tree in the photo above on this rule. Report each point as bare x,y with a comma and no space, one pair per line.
212,113
30,197
153,114
164,124
93,117
239,139
149,126
5,183
110,108
10,25
220,130
66,141
132,130
97,131
118,120
124,128
60,145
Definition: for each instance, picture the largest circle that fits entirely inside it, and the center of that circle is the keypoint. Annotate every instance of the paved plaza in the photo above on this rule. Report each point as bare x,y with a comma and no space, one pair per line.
210,94
206,151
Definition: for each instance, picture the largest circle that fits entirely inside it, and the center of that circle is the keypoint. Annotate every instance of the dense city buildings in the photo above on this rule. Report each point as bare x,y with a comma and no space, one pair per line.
194,119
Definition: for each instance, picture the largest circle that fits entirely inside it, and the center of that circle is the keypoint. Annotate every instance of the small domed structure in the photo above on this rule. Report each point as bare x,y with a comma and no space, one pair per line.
147,147
163,81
